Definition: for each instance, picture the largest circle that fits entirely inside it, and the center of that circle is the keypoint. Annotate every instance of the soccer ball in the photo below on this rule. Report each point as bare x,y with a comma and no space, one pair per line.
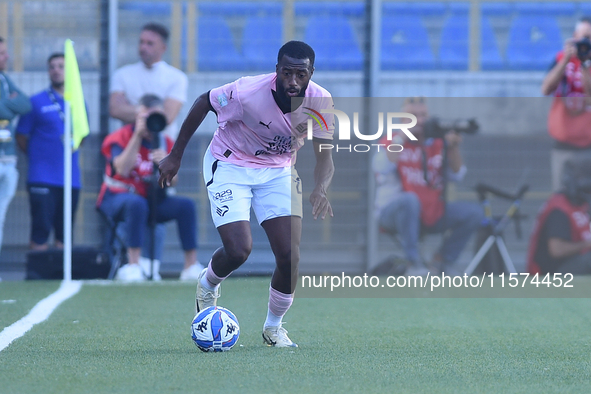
215,329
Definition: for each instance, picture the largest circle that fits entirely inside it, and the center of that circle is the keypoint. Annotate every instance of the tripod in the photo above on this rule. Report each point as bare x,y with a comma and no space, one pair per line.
496,229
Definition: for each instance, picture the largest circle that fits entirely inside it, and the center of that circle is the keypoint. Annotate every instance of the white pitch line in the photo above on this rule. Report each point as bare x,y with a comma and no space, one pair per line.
39,313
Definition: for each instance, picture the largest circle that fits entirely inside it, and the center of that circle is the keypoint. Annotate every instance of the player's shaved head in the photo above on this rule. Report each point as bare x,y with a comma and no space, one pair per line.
297,50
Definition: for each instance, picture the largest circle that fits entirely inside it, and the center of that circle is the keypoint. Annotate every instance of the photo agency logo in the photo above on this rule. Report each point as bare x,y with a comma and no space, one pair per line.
343,135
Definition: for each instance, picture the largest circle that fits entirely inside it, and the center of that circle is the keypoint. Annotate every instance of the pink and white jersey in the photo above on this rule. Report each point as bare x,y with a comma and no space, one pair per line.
254,132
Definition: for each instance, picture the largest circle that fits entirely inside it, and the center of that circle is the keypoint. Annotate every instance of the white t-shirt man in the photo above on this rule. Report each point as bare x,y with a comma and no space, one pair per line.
162,80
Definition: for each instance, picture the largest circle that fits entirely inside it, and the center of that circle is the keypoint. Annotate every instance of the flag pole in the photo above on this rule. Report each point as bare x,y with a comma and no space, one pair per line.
67,193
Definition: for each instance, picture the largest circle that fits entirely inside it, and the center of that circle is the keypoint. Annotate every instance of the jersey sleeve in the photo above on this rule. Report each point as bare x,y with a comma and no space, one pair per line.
225,101
558,225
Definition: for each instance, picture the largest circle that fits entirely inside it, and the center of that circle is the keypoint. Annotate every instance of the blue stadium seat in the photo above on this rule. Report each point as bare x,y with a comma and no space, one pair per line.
262,38
317,8
216,49
334,42
454,53
533,42
496,9
545,8
240,8
146,7
405,44
585,8
459,8
397,8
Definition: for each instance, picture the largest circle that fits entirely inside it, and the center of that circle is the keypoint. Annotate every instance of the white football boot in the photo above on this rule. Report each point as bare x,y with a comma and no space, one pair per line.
204,298
277,337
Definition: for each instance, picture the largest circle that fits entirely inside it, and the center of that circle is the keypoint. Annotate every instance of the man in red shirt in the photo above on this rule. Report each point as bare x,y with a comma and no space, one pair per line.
417,201
561,241
131,153
569,80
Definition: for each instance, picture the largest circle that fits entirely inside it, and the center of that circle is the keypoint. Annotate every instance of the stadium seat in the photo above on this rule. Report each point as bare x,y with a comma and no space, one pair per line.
545,8
146,7
240,8
454,53
317,8
215,49
262,38
496,9
334,42
533,42
397,8
585,9
459,8
405,44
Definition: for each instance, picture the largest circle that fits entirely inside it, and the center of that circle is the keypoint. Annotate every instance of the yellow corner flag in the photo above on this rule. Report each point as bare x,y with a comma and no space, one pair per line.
74,96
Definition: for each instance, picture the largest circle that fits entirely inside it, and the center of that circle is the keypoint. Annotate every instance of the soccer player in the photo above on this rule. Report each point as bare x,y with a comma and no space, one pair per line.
263,121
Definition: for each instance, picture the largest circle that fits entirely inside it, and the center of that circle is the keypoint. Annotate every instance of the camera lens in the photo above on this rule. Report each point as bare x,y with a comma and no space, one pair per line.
156,122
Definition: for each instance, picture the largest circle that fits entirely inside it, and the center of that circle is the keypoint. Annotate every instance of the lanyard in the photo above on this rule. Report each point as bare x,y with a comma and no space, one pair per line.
54,101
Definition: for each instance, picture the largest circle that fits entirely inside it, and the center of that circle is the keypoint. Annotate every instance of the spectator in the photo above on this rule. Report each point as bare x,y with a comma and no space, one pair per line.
40,136
151,75
124,193
13,102
561,241
410,194
569,120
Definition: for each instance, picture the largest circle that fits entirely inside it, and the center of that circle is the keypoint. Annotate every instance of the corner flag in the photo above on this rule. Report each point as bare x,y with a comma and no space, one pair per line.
74,96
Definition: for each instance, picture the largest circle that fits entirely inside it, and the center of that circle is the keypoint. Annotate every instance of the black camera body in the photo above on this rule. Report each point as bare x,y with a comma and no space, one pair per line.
583,49
436,128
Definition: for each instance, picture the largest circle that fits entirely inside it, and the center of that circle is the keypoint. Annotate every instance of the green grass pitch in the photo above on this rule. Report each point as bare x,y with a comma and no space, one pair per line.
136,339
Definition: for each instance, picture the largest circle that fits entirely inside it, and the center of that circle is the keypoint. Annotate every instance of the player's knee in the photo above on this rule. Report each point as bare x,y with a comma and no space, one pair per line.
238,254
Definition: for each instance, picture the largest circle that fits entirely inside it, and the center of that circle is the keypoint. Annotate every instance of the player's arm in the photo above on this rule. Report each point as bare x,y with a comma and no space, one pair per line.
120,108
323,173
169,166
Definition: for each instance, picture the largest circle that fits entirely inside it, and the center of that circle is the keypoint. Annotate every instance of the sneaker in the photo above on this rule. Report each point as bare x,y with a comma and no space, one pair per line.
417,269
130,273
192,272
277,336
145,264
204,298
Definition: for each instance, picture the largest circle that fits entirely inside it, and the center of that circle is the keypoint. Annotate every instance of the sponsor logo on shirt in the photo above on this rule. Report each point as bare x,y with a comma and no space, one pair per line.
50,108
222,100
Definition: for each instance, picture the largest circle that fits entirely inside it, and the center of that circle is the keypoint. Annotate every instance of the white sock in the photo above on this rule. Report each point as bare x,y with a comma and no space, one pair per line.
272,320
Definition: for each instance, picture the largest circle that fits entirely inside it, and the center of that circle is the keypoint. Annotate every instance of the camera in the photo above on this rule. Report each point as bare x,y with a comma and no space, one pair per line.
583,49
156,122
436,128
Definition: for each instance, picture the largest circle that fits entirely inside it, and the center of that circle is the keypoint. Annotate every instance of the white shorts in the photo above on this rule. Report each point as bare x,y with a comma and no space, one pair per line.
232,189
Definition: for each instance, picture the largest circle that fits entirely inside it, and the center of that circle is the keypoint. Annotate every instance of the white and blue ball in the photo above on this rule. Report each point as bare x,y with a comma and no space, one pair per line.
215,329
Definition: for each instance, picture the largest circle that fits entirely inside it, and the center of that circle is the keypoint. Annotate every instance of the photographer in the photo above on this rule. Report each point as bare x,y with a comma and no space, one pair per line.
411,193
129,176
561,241
569,80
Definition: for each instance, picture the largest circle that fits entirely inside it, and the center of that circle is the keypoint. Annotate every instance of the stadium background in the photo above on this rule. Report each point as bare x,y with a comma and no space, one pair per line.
496,51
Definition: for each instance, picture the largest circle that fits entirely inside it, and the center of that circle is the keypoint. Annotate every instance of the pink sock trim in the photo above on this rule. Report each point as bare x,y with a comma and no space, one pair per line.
279,303
212,277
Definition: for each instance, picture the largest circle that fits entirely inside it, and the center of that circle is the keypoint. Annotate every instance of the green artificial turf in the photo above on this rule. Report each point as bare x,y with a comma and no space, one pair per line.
18,298
136,339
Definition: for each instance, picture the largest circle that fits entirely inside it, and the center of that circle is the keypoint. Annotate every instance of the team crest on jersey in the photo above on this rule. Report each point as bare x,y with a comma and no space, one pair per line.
222,100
